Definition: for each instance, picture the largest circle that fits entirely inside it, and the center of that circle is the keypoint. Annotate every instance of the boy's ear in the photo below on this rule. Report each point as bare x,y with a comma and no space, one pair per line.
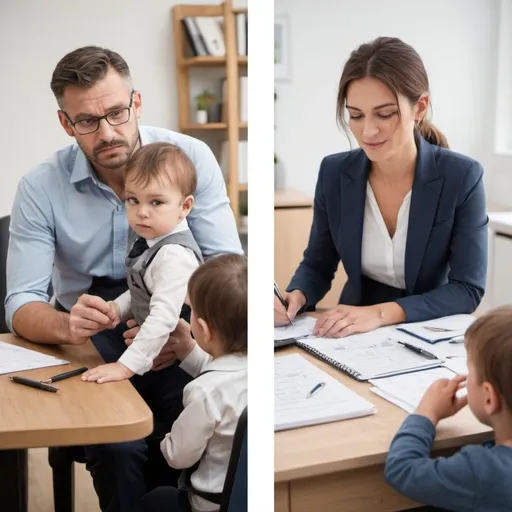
188,203
207,333
492,404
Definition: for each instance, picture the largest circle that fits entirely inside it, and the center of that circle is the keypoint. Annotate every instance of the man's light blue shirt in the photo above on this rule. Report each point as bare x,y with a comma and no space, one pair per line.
68,227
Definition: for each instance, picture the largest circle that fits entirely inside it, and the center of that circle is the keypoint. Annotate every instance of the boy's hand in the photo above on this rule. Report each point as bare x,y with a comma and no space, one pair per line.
440,400
108,373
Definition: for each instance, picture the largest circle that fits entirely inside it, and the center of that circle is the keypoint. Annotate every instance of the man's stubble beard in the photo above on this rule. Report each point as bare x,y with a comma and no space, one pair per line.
114,164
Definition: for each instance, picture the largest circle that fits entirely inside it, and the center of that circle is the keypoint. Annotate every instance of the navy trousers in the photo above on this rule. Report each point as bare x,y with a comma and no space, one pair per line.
164,499
120,471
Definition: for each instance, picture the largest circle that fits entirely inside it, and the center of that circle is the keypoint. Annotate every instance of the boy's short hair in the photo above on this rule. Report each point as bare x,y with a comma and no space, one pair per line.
217,292
489,341
163,160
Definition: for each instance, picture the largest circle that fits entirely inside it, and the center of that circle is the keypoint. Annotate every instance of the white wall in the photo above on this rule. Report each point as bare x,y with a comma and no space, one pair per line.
35,35
457,41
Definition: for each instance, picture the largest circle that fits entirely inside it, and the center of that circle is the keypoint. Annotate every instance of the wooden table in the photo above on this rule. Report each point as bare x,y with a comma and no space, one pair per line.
339,466
79,413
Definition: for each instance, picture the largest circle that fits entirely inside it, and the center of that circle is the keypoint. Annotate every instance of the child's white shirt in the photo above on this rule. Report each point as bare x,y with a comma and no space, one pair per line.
166,279
204,430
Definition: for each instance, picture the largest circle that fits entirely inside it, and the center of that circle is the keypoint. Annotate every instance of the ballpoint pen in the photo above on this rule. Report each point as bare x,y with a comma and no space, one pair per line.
457,339
418,350
315,389
65,375
34,384
277,293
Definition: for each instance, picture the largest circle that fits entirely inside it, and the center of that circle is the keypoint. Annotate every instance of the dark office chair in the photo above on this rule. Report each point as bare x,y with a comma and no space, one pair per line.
4,245
234,494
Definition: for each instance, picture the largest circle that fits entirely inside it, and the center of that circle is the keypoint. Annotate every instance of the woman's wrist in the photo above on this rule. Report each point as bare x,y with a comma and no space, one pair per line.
390,313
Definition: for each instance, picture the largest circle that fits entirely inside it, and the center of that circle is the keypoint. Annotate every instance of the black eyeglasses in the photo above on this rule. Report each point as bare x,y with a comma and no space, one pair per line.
91,124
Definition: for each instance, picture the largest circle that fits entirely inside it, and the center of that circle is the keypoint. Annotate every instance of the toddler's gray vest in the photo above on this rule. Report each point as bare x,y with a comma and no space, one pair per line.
136,269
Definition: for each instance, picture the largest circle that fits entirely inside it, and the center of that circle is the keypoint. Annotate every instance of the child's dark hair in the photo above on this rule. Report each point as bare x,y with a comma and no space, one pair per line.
217,292
163,160
489,344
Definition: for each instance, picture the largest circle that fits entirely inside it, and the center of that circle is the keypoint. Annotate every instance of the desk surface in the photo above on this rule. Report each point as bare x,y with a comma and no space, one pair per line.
79,413
361,442
290,198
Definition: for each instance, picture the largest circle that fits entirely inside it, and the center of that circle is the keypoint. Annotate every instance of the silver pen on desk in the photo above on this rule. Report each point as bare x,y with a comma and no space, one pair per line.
316,389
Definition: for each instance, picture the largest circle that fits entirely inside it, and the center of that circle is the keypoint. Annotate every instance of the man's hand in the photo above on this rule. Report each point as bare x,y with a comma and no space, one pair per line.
440,400
90,315
108,373
180,341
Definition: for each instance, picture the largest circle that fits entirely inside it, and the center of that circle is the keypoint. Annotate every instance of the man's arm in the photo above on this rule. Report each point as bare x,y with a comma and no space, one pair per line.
211,220
29,269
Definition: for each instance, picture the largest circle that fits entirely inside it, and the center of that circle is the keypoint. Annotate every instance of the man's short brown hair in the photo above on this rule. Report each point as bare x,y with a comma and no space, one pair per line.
84,67
163,160
218,294
489,344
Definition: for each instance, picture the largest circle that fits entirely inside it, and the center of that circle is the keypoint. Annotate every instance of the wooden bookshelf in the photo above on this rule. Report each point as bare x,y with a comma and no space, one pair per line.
232,63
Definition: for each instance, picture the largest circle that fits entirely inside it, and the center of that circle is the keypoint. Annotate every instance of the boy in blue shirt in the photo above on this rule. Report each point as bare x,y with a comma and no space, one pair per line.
477,478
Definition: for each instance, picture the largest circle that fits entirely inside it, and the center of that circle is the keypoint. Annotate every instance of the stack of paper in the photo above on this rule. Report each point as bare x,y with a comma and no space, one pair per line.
302,328
17,359
439,329
294,379
406,390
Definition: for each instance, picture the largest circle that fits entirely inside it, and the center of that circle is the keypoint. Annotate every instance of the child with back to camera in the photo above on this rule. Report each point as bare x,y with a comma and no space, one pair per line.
202,436
478,477
159,188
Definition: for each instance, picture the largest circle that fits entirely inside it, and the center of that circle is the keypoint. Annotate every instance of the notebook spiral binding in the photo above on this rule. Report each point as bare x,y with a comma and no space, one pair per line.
331,362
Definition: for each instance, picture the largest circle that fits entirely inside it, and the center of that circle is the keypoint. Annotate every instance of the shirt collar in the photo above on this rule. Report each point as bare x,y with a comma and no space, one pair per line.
228,362
82,168
182,226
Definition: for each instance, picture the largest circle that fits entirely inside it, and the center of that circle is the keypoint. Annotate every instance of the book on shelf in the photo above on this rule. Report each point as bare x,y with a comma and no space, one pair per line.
244,103
241,33
242,160
210,28
194,38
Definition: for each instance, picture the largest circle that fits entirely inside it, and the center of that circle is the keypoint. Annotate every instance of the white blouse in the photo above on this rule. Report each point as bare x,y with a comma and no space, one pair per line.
383,257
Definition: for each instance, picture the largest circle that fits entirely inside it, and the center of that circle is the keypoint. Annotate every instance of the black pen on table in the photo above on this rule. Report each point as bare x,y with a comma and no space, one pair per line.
34,384
418,350
277,293
65,375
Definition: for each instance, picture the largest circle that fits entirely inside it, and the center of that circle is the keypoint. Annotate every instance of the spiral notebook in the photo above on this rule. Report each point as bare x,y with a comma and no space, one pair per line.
294,378
369,355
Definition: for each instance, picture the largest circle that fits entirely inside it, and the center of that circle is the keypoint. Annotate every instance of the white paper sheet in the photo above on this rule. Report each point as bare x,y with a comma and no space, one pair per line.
17,359
407,390
294,378
371,354
302,327
440,328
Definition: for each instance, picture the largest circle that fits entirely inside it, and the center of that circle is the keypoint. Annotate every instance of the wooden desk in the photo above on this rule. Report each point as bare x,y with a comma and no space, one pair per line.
339,466
293,215
79,413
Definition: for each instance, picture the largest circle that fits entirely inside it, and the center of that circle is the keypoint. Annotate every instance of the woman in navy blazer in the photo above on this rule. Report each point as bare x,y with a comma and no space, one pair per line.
438,254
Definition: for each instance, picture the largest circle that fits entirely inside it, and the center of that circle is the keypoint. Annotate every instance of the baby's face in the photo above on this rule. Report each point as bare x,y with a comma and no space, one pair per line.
154,210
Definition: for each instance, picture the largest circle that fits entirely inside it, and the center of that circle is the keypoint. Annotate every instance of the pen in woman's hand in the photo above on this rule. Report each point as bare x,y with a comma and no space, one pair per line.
282,300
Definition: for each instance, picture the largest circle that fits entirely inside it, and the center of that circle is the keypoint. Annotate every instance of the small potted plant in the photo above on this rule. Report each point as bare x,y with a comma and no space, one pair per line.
203,102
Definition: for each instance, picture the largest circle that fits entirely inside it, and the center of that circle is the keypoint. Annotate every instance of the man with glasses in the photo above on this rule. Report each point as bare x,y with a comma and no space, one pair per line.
69,228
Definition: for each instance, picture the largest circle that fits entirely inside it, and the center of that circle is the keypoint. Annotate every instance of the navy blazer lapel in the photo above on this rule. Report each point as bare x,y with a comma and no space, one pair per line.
426,191
353,195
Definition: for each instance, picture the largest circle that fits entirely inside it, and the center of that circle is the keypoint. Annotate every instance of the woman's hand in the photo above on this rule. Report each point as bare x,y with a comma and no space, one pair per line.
344,320
295,299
